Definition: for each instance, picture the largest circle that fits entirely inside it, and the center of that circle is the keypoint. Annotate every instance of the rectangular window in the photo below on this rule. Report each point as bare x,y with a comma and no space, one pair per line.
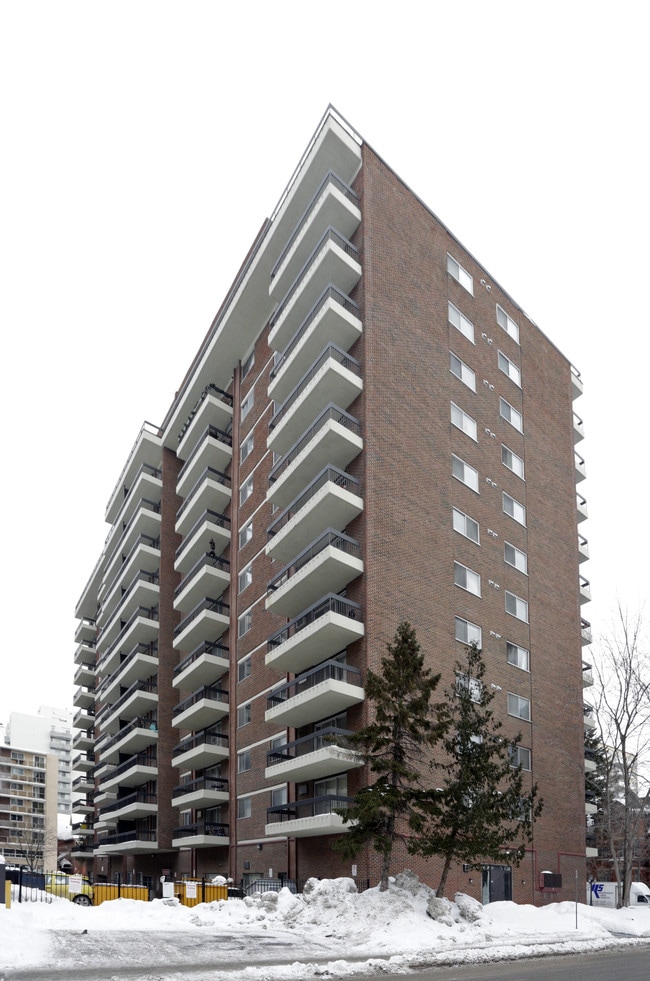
518,656
463,421
244,715
460,322
455,269
245,491
244,623
462,471
245,577
507,323
466,526
247,364
512,461
511,415
466,579
244,761
462,371
244,668
514,509
520,756
246,534
473,686
516,606
514,556
247,404
278,796
510,369
246,448
468,633
519,707
244,807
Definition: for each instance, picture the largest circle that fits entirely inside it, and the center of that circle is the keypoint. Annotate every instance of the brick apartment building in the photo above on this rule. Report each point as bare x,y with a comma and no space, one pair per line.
372,430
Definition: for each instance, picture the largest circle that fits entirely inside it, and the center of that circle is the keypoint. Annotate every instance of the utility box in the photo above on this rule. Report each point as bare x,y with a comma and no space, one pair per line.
550,881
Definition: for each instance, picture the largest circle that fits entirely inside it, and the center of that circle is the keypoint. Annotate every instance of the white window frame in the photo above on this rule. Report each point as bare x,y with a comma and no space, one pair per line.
509,368
462,371
514,509
518,606
247,364
464,422
244,807
469,474
245,668
463,524
521,756
515,557
246,448
245,491
507,323
244,623
246,533
460,321
245,577
279,796
475,689
467,579
512,461
518,656
519,707
467,632
511,415
460,274
247,404
244,715
244,761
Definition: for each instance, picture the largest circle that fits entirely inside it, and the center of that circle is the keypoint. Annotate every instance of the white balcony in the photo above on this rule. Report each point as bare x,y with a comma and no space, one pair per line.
320,632
85,631
144,526
585,633
578,429
141,697
141,629
312,757
85,675
142,591
146,452
140,664
214,409
200,751
137,805
334,320
211,492
208,577
200,793
83,720
214,450
83,698
334,260
202,667
328,565
308,818
334,378
133,739
83,742
324,691
585,590
127,843
210,534
132,773
580,468
203,708
330,501
583,549
334,440
334,205
144,557
201,834
85,653
207,622
577,388
147,487
581,509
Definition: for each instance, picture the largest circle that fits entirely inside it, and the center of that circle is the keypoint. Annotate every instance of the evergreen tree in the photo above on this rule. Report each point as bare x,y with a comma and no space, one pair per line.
477,809
392,745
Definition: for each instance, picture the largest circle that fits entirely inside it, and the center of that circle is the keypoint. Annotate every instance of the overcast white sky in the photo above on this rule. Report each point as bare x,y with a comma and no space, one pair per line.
143,144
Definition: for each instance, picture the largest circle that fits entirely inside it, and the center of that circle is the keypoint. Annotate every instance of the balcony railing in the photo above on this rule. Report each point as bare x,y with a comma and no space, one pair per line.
153,578
210,389
200,783
330,178
329,736
208,692
209,560
312,807
208,828
331,414
139,797
148,612
212,432
140,759
220,520
208,604
142,722
207,647
137,686
329,604
327,475
331,537
327,671
151,650
331,353
330,292
205,738
140,540
143,505
127,836
330,235
209,473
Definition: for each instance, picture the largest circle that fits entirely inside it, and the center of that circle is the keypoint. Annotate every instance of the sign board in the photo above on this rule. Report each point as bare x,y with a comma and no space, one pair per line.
168,890
190,890
75,884
602,894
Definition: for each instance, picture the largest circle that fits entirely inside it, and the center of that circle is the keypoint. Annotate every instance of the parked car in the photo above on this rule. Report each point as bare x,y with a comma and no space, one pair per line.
74,887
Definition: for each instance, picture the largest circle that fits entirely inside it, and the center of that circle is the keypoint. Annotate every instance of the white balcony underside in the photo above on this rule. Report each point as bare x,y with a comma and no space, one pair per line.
133,742
205,712
330,507
320,763
139,703
213,411
127,848
204,670
332,383
141,667
134,776
199,544
199,757
208,581
213,453
201,798
309,827
332,444
317,702
328,572
316,642
210,495
208,625
201,841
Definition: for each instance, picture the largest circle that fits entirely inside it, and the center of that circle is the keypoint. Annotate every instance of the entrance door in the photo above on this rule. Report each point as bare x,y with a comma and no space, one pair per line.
496,883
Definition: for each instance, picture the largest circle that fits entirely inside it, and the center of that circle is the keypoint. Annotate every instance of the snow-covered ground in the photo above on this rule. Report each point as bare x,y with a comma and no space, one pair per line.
329,931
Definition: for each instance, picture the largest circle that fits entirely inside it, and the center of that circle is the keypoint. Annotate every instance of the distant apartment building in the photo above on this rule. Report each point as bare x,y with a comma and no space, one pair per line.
28,816
49,731
372,431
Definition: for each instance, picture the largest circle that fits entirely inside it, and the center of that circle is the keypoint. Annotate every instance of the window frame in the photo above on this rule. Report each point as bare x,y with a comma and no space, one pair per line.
246,447
246,533
460,274
244,715
459,621
244,623
466,467
464,325
517,505
520,606
465,421
518,554
245,490
244,668
514,456
511,327
246,404
465,519
510,644
245,578
463,572
516,378
244,807
521,701
466,375
244,761
516,760
511,415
